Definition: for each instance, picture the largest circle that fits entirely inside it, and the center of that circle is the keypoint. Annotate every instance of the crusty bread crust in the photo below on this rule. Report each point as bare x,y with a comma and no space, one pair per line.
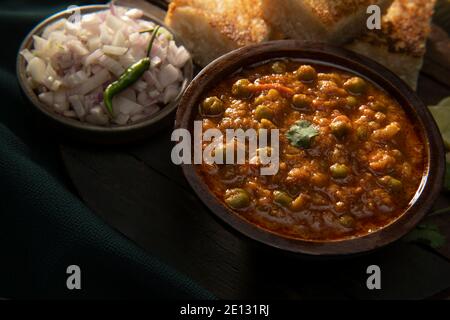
320,20
405,27
332,12
401,42
212,28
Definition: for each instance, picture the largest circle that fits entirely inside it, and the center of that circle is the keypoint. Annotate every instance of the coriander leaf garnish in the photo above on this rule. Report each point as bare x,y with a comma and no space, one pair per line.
300,134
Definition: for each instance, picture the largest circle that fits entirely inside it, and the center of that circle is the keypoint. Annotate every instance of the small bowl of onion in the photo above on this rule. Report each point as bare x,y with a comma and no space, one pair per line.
66,63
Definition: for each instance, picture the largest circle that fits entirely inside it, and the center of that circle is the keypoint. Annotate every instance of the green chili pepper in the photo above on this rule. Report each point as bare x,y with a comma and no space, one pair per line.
130,76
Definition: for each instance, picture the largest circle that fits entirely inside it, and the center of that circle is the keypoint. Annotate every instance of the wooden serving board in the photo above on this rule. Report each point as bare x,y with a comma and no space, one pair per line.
138,191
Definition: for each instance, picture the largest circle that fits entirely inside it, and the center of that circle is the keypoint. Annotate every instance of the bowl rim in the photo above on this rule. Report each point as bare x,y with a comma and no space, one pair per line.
426,194
31,95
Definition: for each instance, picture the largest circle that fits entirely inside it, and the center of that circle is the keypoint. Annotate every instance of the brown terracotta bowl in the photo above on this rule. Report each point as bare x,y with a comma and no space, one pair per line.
83,131
342,59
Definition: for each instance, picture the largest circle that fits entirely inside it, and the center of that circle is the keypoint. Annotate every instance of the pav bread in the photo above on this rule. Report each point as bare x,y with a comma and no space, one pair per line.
401,43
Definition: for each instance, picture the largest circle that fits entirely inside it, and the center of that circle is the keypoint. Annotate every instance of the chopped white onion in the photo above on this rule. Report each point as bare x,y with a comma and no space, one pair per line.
60,102
70,65
170,93
39,43
112,65
121,118
168,75
134,13
36,69
138,117
119,39
114,23
97,116
113,50
93,82
27,55
129,94
77,106
47,98
94,43
126,106
54,26
70,114
140,85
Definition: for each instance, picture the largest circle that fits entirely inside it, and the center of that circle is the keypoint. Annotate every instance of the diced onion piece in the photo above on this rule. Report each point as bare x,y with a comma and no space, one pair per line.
64,60
39,43
59,24
27,55
126,106
77,47
129,94
152,80
94,43
155,62
113,50
140,85
138,117
134,37
50,72
143,98
53,84
93,57
58,36
93,82
114,23
72,28
70,114
145,24
167,75
36,69
134,13
51,80
90,19
105,34
77,106
97,116
182,57
31,83
153,94
127,60
119,39
111,64
121,119
151,109
170,93
47,98
60,103
77,78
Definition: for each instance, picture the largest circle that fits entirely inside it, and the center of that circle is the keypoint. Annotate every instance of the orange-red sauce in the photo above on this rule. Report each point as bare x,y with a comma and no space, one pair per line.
380,148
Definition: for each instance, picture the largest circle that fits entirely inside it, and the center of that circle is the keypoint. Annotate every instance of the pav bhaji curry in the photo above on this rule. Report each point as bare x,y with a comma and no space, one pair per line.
350,159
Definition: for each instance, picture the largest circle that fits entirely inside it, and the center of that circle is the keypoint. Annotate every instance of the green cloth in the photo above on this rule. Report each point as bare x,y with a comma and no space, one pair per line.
44,228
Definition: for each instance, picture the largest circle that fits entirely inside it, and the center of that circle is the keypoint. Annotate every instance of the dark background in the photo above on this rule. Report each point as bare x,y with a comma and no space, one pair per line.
134,192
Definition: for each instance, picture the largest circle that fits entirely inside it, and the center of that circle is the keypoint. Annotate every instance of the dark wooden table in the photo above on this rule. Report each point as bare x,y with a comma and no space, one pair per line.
138,191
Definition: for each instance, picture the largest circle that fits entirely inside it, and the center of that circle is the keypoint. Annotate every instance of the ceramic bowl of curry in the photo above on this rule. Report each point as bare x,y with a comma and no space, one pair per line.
354,159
